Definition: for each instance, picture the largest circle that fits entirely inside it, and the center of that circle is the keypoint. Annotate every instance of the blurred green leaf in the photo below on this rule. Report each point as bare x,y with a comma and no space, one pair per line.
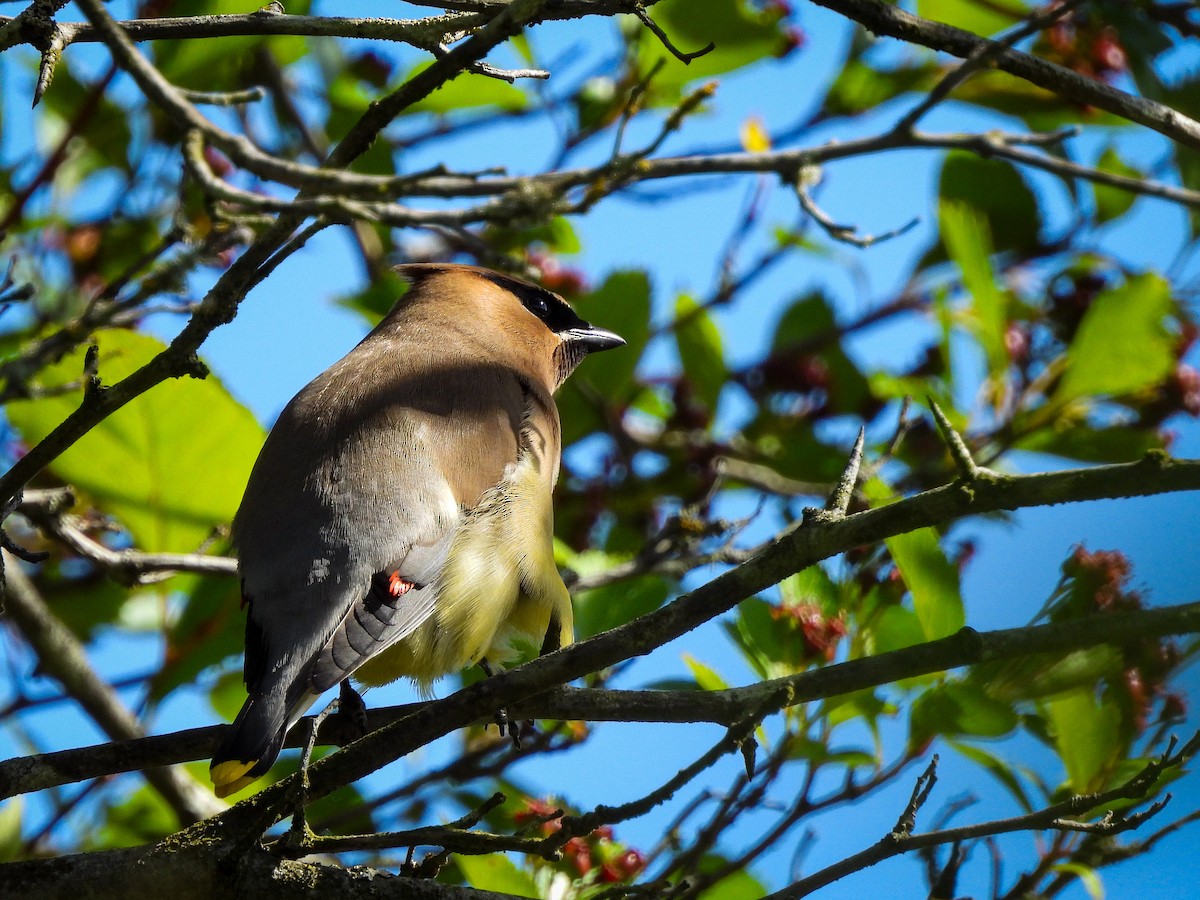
895,628
1122,343
706,676
621,304
809,322
497,873
1086,733
700,350
759,637
228,63
1112,202
375,300
740,885
864,704
932,579
171,465
227,695
467,91
1044,674
141,818
10,828
984,17
616,604
958,708
102,141
929,576
859,87
969,243
811,585
208,630
1073,440
995,190
1088,877
741,34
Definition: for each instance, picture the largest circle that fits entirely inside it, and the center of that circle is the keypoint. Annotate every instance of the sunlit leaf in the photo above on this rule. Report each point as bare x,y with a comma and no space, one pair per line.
984,17
700,350
10,828
994,189
738,885
706,676
929,576
1112,202
741,34
494,872
1086,733
468,91
968,241
1123,343
171,465
959,708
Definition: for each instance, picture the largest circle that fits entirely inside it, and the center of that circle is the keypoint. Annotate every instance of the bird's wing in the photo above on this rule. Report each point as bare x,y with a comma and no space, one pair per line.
402,460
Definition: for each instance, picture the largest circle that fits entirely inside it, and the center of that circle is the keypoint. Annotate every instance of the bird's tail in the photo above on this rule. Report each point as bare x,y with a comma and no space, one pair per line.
253,742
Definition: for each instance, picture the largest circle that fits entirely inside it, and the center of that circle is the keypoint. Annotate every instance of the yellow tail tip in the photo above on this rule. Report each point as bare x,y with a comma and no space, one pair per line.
230,776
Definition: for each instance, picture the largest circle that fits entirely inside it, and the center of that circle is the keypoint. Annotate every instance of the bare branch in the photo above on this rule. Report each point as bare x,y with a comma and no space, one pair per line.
61,656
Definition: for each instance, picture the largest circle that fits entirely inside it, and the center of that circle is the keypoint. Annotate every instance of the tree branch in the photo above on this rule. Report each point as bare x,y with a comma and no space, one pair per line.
61,656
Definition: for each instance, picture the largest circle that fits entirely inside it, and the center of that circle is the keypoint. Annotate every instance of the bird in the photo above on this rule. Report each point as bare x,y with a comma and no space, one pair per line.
398,520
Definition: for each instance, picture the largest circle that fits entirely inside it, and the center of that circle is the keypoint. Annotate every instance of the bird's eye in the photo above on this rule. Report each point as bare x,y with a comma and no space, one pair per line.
539,306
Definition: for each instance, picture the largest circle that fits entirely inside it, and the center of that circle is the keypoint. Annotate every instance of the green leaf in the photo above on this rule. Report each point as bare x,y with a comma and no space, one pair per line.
497,873
1122,343
700,351
706,677
968,241
621,304
810,322
932,579
1045,674
102,142
929,576
984,18
616,604
859,87
741,34
10,828
739,885
811,585
959,708
995,190
227,695
141,818
1073,440
896,628
1086,733
170,465
210,629
467,91
227,63
1112,202
1088,877
375,300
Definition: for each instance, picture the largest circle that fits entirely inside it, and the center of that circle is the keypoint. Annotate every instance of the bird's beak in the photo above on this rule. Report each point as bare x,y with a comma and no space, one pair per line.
593,339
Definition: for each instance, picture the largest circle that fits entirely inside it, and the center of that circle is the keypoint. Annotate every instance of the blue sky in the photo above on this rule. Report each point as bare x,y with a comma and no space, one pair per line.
290,328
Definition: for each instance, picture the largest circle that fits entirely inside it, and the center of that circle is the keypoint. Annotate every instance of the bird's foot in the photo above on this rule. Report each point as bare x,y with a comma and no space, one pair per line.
514,730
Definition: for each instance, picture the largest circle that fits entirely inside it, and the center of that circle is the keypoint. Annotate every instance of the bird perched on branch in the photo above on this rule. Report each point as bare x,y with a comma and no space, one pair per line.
398,520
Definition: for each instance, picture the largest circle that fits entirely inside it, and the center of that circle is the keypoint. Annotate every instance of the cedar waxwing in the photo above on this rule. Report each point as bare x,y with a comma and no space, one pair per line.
398,520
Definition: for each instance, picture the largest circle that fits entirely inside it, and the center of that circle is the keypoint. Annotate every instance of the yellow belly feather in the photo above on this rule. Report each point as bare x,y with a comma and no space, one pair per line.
500,581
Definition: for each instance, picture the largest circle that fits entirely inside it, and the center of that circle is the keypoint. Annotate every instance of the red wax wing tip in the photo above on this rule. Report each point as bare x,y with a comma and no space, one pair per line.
398,586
